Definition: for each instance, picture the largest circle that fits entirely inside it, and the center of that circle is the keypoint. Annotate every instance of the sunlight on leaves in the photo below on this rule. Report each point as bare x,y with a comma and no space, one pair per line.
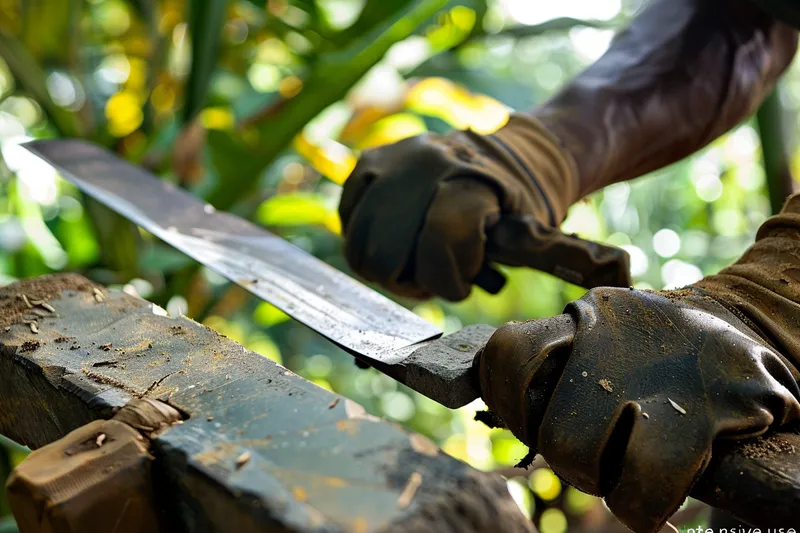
217,118
268,315
297,209
441,98
545,484
331,159
392,129
553,521
124,114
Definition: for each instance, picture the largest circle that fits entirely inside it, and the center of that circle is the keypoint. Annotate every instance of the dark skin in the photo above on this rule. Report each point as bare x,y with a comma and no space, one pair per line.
682,369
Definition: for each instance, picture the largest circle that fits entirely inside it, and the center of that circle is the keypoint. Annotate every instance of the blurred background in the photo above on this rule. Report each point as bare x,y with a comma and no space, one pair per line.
261,108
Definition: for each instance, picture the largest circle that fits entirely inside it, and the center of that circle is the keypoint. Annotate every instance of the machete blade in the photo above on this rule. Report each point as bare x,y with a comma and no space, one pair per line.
353,316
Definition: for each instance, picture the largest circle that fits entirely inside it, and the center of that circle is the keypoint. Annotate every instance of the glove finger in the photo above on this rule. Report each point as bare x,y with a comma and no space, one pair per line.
356,243
648,480
383,228
353,190
519,368
596,392
451,245
524,241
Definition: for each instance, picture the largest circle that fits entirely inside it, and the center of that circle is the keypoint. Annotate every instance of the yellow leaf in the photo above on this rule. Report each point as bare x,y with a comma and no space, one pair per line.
455,105
332,159
392,129
124,113
216,118
333,223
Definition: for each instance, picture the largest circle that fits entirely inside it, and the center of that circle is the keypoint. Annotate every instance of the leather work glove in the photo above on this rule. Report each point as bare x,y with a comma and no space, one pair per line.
417,214
626,393
427,215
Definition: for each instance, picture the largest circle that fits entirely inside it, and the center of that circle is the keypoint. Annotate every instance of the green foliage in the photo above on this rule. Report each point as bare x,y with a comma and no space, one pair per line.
206,21
261,107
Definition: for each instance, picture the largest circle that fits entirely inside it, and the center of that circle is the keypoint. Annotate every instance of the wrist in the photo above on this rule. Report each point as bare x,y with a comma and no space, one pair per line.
549,167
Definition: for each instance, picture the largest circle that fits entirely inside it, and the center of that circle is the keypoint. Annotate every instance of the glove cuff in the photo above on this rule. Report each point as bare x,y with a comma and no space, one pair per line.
763,287
540,156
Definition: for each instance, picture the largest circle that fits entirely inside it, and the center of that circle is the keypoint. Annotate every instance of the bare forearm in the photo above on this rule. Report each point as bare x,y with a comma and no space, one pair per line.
682,74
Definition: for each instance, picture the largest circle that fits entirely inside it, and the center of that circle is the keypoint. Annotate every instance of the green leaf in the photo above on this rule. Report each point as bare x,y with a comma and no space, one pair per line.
297,209
206,20
161,258
268,315
330,80
32,79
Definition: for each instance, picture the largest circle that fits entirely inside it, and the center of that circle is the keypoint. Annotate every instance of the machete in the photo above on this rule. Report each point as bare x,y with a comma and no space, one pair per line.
361,321
364,323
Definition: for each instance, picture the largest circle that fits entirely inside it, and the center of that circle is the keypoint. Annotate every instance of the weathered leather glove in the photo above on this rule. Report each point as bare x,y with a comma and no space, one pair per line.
417,215
625,394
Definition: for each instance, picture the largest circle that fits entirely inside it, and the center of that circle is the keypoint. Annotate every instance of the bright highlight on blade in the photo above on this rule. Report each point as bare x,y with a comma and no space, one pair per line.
348,313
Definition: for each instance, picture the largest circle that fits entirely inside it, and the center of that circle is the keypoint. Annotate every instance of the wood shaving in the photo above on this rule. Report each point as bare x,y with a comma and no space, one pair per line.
32,325
407,496
27,302
677,407
673,528
646,416
98,295
334,403
101,438
606,384
243,459
44,305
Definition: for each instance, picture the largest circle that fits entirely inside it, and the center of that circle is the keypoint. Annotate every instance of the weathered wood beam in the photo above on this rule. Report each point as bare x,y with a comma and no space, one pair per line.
261,448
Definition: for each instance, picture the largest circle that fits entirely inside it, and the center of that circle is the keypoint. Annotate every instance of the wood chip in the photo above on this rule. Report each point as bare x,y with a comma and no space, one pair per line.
98,295
606,384
334,403
27,302
32,325
677,407
44,305
407,496
243,459
101,438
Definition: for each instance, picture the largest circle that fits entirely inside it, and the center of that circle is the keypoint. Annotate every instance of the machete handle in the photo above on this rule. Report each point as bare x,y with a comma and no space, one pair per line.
755,480
521,240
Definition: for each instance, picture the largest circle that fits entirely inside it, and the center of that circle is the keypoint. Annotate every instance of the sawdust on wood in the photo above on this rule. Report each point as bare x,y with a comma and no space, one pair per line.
29,346
677,407
43,288
243,459
606,384
767,446
407,496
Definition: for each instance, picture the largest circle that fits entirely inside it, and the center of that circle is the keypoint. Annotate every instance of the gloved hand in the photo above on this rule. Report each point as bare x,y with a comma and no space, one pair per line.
625,394
417,215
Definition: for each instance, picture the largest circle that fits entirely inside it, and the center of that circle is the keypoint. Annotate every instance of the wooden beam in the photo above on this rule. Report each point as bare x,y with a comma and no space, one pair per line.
261,449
